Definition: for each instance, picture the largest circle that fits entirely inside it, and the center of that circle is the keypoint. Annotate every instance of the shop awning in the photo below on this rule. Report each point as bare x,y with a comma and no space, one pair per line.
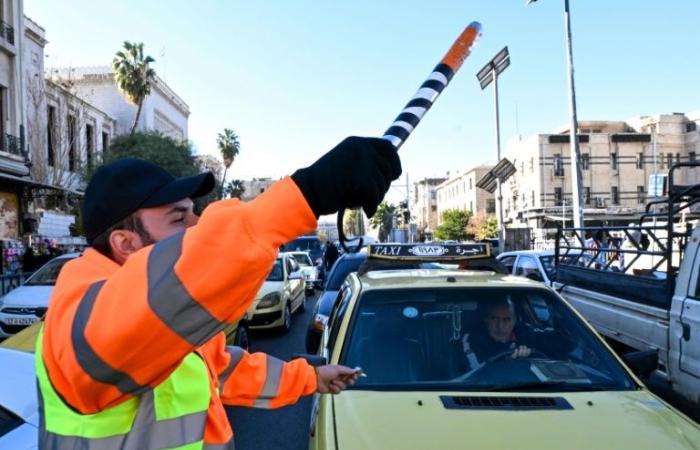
36,184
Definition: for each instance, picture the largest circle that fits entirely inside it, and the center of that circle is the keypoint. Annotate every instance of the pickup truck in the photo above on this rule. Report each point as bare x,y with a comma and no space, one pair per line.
654,308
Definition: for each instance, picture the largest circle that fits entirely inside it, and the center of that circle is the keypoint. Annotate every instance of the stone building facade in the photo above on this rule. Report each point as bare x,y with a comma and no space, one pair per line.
617,159
424,204
459,191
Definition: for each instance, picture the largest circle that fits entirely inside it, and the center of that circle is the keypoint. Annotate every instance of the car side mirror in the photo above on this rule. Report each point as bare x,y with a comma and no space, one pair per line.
534,276
314,360
642,363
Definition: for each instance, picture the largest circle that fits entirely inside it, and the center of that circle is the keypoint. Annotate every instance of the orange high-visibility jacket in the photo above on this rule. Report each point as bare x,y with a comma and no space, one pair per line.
114,331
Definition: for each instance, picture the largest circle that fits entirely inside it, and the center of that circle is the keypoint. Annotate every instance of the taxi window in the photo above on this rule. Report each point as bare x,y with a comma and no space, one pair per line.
508,261
337,314
465,338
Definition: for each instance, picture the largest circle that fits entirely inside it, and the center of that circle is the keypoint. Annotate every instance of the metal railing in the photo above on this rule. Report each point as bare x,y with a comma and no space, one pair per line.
7,32
10,144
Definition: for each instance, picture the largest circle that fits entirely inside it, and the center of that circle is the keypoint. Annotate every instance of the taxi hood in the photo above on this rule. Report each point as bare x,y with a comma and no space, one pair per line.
599,420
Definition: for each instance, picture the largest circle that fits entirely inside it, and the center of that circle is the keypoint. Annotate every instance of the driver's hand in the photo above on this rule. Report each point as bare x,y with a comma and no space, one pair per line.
521,351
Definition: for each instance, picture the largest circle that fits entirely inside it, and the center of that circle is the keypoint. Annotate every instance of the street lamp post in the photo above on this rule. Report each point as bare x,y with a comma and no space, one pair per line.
575,153
489,73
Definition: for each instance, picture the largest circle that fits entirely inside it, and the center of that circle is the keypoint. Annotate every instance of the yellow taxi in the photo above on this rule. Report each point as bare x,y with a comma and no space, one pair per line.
455,359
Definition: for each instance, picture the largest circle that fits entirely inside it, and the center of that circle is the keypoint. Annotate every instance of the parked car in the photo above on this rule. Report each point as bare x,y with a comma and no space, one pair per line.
413,335
19,412
28,303
308,270
280,296
538,265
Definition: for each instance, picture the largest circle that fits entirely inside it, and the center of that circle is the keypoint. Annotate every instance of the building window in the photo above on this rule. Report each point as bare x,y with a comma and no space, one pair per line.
471,206
532,165
678,158
558,166
691,155
105,142
640,194
72,137
640,160
433,195
50,135
532,199
614,195
522,168
557,196
470,184
585,161
89,144
586,195
669,160
613,161
490,206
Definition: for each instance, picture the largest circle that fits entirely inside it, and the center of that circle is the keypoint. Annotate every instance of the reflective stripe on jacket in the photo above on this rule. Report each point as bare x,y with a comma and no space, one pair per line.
114,334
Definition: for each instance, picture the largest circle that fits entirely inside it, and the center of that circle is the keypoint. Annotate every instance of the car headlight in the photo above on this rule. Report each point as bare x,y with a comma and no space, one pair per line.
269,300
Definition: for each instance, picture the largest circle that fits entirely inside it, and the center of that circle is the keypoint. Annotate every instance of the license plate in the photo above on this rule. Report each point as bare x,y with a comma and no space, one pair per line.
20,321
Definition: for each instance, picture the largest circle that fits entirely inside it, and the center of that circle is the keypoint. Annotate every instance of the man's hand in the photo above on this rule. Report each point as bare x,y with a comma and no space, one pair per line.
334,378
521,351
357,172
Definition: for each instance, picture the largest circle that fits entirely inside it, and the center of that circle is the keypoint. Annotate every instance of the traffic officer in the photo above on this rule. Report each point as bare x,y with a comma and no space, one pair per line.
132,354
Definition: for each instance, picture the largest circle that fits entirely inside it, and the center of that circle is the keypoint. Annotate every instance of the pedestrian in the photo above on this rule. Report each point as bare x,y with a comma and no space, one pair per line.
330,254
132,354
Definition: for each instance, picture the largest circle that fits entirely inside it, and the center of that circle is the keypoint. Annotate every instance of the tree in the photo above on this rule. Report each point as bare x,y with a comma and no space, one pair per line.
454,225
383,219
133,75
234,189
229,146
353,222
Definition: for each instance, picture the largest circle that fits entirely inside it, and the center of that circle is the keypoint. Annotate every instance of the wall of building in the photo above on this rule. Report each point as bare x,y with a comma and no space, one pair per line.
163,110
255,187
460,192
424,203
617,160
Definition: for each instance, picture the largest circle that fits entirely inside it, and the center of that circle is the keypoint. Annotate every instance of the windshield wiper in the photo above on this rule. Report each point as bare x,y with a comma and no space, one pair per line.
549,385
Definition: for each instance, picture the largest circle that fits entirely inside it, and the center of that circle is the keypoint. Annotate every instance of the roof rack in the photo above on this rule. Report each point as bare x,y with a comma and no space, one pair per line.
472,256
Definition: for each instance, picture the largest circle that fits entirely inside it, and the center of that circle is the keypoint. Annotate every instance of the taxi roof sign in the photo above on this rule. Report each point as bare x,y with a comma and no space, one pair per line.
429,252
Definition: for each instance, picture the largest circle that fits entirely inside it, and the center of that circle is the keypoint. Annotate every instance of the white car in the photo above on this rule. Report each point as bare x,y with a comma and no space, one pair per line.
538,265
280,296
28,303
308,271
19,411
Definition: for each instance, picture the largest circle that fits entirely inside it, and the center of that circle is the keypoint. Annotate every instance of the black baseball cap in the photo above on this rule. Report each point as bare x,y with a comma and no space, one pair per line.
121,188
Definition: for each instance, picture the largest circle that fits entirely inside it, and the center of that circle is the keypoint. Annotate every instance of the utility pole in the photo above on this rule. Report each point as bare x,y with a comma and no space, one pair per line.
487,75
574,151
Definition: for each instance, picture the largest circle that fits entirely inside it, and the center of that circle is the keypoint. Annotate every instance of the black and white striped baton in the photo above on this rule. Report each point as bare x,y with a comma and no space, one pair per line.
421,102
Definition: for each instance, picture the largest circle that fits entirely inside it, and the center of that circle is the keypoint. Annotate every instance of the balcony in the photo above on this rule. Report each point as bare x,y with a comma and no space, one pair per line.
10,144
7,32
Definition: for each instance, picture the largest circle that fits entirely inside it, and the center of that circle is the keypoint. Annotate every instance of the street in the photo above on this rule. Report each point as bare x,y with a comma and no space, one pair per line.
287,428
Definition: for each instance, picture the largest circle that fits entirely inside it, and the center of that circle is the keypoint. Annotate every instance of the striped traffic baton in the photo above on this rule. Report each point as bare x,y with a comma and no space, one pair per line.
421,102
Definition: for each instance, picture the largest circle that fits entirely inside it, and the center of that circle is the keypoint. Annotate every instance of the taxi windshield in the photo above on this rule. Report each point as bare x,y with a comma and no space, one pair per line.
476,339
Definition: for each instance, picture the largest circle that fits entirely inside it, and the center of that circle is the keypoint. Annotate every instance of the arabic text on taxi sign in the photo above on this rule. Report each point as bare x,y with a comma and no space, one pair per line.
429,251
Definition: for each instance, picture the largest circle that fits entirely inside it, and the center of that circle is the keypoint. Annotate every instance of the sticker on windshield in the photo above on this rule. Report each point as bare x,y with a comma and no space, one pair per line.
410,312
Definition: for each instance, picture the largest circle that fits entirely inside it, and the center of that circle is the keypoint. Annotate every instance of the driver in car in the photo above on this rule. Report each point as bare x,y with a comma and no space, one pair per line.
503,335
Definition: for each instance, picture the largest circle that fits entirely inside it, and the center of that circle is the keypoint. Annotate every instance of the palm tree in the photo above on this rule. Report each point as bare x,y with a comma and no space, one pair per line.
133,75
229,147
234,189
383,219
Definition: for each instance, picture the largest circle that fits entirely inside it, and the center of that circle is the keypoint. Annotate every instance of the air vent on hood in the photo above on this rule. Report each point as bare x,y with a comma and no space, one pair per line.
504,403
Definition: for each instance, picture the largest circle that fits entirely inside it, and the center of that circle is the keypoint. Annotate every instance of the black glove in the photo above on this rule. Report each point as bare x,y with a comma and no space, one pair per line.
357,172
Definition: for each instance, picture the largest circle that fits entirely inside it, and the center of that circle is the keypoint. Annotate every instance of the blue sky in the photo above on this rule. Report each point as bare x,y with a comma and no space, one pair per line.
293,78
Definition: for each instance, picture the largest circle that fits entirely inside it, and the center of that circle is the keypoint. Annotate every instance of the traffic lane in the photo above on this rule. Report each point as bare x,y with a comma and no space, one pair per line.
283,428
